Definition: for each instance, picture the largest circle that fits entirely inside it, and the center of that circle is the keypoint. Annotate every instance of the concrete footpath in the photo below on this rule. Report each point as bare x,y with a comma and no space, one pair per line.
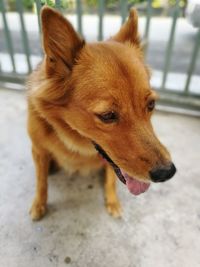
160,228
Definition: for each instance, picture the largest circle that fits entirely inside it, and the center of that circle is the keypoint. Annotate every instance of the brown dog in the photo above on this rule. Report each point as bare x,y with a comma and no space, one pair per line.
91,100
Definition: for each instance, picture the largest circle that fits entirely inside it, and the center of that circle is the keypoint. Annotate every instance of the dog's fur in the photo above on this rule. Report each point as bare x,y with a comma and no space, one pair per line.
76,83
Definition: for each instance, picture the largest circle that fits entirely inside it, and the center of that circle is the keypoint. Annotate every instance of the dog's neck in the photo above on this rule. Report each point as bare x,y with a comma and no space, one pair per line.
73,140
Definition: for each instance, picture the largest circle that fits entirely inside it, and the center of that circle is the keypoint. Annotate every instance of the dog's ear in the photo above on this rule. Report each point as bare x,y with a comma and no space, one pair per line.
129,30
61,43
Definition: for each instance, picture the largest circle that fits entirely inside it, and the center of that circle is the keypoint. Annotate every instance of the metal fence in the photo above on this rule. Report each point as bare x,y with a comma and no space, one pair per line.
183,97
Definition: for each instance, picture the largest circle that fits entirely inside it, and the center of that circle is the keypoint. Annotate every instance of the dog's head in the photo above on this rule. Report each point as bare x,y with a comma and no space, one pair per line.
106,96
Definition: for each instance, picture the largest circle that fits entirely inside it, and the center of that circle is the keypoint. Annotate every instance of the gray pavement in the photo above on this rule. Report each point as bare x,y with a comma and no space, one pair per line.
160,228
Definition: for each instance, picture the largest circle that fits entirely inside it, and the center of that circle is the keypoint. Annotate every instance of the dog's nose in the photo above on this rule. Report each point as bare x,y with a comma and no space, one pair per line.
162,173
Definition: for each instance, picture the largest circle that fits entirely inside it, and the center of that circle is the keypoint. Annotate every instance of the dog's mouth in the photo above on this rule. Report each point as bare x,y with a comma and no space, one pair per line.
135,186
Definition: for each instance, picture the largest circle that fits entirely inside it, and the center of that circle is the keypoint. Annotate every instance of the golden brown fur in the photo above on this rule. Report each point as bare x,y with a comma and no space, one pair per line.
76,81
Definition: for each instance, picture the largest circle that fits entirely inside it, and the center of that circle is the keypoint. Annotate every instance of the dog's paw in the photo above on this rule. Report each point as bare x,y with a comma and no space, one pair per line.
114,208
37,211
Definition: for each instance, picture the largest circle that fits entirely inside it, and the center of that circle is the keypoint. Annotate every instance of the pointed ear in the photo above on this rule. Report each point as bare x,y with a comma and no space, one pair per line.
129,30
60,41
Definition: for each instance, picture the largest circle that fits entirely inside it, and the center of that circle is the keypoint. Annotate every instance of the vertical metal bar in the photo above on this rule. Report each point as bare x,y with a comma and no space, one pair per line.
58,4
147,27
39,4
193,62
38,7
79,15
170,45
123,9
7,35
24,34
148,18
101,14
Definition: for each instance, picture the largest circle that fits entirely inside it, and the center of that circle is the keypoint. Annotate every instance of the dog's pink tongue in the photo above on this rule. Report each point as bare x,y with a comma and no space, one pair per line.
134,186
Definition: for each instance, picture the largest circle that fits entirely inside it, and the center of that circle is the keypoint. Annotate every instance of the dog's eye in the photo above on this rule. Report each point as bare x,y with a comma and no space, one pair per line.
108,117
151,105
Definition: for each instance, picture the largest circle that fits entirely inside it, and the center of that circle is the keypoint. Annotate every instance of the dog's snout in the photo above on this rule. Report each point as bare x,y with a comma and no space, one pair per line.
163,173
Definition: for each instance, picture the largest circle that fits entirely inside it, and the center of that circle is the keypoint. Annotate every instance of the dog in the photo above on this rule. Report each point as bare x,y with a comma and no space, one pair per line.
90,107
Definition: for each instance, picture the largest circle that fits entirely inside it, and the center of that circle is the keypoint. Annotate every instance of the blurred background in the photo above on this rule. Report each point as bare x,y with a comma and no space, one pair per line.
160,228
170,31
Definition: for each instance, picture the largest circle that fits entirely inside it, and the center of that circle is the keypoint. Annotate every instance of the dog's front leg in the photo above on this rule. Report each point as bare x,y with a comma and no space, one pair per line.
42,161
112,202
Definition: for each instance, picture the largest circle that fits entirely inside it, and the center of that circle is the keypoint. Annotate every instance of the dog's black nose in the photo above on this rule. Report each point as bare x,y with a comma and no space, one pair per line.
163,173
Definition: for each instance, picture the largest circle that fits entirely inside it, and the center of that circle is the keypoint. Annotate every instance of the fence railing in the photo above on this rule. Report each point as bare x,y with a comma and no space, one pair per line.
182,95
